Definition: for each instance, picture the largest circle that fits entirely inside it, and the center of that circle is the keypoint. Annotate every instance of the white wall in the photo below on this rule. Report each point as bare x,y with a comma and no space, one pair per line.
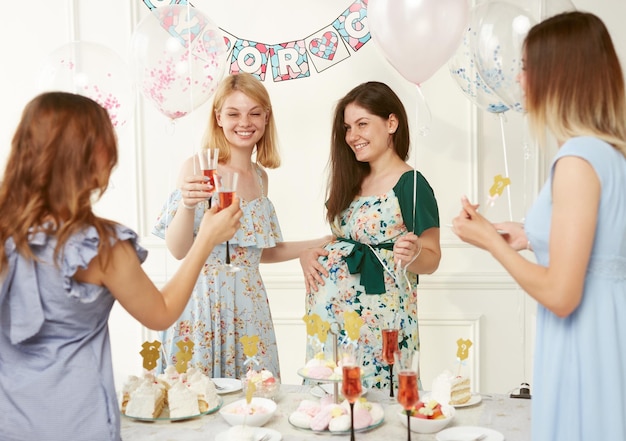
469,296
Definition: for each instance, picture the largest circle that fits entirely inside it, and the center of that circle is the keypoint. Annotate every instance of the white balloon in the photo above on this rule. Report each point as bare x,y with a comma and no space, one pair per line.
417,36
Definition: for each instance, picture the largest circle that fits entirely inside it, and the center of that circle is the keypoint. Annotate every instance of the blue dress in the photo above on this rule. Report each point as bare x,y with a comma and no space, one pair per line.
56,375
580,361
224,307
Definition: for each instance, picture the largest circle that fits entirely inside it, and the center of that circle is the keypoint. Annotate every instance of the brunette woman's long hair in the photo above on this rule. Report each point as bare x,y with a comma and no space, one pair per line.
62,155
346,173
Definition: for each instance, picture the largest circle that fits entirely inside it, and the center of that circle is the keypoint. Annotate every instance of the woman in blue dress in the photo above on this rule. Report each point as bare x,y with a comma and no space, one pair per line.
574,88
227,306
63,268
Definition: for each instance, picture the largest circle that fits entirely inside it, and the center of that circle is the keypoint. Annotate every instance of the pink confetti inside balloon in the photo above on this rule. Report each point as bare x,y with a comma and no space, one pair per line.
179,56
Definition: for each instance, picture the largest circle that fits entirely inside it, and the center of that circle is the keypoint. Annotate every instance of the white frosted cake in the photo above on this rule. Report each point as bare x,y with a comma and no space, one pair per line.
146,398
451,389
186,394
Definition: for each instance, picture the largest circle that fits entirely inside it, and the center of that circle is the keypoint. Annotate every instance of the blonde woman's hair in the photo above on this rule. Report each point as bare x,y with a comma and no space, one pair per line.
574,81
267,153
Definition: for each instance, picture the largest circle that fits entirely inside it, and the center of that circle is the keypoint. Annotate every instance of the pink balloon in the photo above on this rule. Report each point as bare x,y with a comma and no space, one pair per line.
417,36
94,71
179,56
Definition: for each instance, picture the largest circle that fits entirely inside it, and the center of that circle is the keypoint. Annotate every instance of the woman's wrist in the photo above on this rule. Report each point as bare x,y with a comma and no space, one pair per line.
187,207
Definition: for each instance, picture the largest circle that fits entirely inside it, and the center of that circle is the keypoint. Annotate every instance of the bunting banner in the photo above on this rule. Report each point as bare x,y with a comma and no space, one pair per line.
293,59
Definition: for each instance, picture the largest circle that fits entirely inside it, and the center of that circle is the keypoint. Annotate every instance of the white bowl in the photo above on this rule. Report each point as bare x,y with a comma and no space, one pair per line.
256,414
424,425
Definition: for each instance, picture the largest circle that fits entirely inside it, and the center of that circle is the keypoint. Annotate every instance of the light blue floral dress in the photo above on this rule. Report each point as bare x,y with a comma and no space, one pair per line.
375,221
224,307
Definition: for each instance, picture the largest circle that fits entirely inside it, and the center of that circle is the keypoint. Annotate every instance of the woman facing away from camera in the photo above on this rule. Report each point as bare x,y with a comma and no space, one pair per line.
63,268
386,220
227,306
574,89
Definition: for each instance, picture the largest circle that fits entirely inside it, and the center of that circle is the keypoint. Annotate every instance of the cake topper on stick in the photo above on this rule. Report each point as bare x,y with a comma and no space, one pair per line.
462,352
183,356
250,349
150,354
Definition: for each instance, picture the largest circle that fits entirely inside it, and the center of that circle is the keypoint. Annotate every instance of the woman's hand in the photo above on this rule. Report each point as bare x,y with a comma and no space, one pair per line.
514,234
473,228
312,269
406,249
218,227
195,189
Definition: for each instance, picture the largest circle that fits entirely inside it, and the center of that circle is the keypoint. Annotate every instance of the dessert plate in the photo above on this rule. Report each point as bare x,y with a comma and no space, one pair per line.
165,414
226,385
321,390
342,432
334,377
259,433
468,432
474,399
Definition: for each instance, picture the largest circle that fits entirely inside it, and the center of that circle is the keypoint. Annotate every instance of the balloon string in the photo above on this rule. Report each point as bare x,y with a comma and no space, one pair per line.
506,164
423,121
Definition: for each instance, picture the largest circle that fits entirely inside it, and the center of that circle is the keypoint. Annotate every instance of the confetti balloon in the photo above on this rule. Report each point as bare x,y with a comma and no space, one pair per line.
500,28
94,71
464,71
179,57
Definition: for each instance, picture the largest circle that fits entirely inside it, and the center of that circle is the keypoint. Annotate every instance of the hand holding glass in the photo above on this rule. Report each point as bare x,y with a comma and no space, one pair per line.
407,362
351,387
208,165
226,184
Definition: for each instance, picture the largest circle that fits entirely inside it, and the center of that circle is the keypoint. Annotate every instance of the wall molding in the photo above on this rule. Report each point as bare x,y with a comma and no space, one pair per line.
471,322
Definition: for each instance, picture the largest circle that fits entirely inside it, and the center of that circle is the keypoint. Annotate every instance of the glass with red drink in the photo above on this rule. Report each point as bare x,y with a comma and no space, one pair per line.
226,185
407,362
390,346
351,387
208,165
389,334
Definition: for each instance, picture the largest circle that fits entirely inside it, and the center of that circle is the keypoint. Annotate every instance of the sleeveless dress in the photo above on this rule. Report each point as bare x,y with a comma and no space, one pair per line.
580,361
224,307
375,221
56,375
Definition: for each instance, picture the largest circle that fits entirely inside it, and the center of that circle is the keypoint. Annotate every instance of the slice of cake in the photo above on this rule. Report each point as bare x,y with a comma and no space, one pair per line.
147,400
204,388
183,401
460,390
451,389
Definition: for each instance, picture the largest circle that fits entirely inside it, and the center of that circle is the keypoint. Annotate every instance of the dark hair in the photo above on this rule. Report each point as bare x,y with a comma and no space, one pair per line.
63,151
346,173
574,81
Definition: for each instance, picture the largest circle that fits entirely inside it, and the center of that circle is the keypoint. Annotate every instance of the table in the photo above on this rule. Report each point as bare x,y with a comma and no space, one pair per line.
509,416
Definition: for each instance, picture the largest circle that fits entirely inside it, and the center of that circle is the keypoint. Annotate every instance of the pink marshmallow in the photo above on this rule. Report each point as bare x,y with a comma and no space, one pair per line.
362,418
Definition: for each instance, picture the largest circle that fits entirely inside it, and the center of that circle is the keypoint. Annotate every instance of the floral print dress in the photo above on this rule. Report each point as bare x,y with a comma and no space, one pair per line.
375,221
224,307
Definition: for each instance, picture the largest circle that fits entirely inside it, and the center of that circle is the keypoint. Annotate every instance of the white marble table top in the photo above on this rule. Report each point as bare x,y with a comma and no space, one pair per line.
509,416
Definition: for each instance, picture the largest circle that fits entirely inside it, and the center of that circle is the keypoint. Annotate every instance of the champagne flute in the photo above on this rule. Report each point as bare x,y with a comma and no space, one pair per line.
226,184
408,395
351,387
390,346
208,164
